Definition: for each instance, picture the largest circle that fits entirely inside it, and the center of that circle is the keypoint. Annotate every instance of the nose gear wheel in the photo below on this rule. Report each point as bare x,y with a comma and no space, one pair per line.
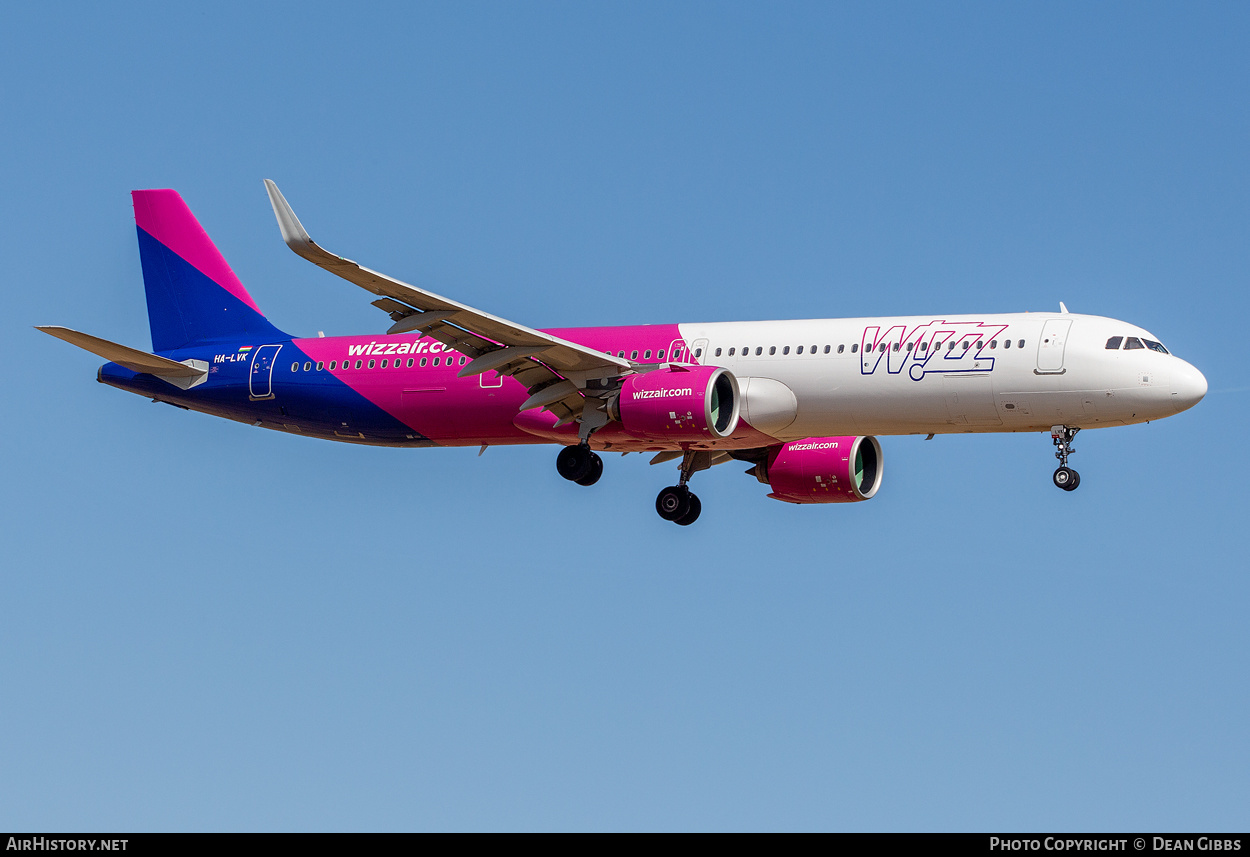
1065,477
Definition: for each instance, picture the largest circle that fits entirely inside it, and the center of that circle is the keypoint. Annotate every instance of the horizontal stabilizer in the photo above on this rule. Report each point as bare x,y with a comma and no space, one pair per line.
132,358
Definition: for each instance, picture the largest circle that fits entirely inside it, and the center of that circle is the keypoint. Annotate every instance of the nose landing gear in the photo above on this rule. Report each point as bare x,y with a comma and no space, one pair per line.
1065,477
579,464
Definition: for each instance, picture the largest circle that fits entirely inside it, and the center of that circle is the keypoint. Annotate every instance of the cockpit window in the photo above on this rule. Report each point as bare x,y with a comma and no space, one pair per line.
1113,344
1155,346
1133,342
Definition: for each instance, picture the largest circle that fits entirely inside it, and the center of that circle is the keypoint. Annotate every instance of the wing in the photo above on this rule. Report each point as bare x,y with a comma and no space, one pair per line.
555,371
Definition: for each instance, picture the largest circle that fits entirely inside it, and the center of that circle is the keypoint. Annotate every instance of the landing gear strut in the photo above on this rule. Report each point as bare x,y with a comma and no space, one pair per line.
579,464
1065,477
677,503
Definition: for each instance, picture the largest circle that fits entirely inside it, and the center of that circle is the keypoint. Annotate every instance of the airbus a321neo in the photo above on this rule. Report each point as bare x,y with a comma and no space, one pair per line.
799,401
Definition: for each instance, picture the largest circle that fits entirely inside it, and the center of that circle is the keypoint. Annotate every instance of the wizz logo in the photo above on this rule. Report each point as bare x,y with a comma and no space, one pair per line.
937,346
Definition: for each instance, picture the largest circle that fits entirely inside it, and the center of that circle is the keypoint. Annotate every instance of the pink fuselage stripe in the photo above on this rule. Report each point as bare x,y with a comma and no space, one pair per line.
481,409
163,215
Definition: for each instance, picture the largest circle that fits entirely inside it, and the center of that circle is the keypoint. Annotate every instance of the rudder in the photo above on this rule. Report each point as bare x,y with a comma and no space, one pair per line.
192,294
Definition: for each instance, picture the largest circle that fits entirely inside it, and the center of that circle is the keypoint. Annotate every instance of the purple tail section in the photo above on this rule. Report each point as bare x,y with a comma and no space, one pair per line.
193,296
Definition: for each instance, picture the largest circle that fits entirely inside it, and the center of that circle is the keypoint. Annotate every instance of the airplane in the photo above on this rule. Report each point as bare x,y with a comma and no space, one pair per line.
801,402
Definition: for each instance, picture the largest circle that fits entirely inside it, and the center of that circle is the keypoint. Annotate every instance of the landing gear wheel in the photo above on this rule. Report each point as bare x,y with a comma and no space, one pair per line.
674,502
596,470
1067,479
692,515
575,463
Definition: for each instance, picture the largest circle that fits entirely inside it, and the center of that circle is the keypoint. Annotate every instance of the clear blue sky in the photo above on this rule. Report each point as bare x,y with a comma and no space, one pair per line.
211,626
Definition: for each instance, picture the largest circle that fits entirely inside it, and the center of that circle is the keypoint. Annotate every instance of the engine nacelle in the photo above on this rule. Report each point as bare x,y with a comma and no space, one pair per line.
679,403
824,470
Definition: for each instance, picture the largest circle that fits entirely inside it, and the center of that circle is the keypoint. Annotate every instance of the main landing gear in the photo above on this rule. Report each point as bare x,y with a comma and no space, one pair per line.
579,464
677,503
1065,477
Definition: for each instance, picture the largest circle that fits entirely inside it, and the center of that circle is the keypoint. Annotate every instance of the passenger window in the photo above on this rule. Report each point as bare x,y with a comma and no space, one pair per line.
814,349
333,365
950,346
307,367
993,344
854,347
409,364
647,354
320,365
840,347
980,345
1155,346
384,364
620,354
881,347
772,349
759,349
1133,343
462,359
698,352
924,346
372,363
1020,344
799,350
294,367
718,352
786,350
423,362
633,355
895,346
966,344
660,355
1006,343
359,363
435,361
731,352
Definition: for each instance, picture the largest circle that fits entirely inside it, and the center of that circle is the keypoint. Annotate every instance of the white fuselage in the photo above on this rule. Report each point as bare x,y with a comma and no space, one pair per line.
941,374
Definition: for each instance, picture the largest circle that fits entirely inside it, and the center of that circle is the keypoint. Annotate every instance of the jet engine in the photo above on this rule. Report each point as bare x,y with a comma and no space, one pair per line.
823,470
679,403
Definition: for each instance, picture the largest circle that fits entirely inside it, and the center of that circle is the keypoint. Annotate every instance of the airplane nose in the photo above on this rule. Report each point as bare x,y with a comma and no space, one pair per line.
1188,387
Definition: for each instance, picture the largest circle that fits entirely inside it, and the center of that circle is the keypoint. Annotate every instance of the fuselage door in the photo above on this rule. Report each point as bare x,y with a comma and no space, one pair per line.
1051,345
260,379
677,351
